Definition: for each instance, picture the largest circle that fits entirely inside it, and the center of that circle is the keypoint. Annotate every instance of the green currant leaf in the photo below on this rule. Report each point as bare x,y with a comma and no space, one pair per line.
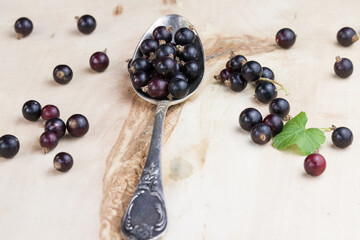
294,132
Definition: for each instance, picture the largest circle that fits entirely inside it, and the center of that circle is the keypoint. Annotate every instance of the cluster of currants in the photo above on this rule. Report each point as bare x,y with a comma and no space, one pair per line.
169,63
54,129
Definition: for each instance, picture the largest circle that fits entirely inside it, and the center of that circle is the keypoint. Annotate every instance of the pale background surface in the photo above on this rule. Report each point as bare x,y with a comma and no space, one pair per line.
218,184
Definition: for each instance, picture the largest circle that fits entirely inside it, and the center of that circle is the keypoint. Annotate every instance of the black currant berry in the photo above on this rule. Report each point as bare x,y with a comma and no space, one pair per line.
50,111
163,33
184,36
342,137
57,126
62,74
99,61
165,66
9,146
140,64
86,24
315,164
261,133
251,71
157,88
285,38
280,107
237,62
249,118
139,79
265,92
180,75
192,70
77,125
346,36
165,50
188,52
275,123
228,66
223,76
31,110
63,162
343,67
268,73
48,141
148,46
237,82
178,88
23,27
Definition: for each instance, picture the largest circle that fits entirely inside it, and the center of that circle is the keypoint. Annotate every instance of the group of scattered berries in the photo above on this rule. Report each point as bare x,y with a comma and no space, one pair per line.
54,129
169,63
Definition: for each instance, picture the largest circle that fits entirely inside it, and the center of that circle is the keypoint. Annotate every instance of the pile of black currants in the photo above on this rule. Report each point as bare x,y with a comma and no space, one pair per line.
169,64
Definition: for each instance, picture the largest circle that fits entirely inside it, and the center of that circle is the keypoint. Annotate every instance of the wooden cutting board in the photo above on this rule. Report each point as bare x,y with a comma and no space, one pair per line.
218,184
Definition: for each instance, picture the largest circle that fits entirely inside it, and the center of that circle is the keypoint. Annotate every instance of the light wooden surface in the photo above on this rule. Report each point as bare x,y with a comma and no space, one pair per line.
218,184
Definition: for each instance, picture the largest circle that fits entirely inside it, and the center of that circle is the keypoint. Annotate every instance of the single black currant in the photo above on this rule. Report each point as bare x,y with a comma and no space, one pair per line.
237,62
228,66
31,110
265,92
314,164
23,27
148,46
285,38
223,75
62,74
86,24
163,33
140,64
99,61
166,66
178,88
165,50
50,111
346,36
343,67
192,70
57,126
184,36
48,141
180,75
236,82
251,71
280,107
157,88
139,79
249,118
268,73
63,162
188,52
77,125
342,137
275,123
261,133
9,146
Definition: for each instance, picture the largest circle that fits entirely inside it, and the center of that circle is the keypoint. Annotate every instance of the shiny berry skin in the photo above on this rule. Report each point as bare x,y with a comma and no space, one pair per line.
63,162
192,70
285,38
140,64
265,92
178,88
184,36
237,82
343,67
163,33
77,125
249,118
237,62
342,137
57,126
148,46
165,50
261,133
346,36
49,111
251,71
188,52
224,75
158,88
23,27
165,66
48,141
31,110
280,107
275,123
99,61
179,75
267,73
315,164
139,79
86,24
228,66
62,74
9,146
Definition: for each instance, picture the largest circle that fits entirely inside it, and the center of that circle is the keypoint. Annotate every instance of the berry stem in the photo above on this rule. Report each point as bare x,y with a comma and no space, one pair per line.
338,59
275,82
329,129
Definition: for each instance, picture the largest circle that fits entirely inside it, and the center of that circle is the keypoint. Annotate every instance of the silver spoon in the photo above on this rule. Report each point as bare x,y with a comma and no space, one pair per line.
146,217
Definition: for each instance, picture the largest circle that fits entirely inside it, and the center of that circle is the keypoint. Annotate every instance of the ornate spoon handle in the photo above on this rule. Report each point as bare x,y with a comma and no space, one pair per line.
145,217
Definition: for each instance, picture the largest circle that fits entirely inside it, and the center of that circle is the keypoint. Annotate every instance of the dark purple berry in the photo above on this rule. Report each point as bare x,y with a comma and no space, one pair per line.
9,146
48,141
249,118
86,24
49,111
224,75
280,107
77,125
57,126
314,164
139,79
178,88
99,61
148,46
343,67
228,66
261,133
192,70
165,50
275,123
188,52
140,64
184,36
157,88
267,73
342,137
62,74
165,66
179,75
237,62
265,92
251,71
163,33
237,82
63,162
31,110
23,27
346,36
285,38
